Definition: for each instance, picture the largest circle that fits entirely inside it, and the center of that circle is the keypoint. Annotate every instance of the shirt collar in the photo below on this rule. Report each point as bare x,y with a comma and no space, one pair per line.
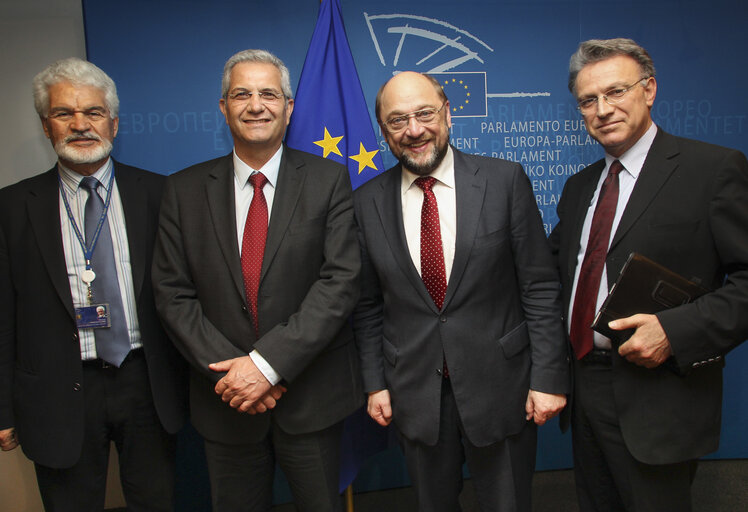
72,180
444,173
633,159
242,171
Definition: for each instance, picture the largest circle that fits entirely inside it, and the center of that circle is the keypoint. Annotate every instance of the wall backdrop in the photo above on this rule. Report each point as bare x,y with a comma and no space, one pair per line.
504,64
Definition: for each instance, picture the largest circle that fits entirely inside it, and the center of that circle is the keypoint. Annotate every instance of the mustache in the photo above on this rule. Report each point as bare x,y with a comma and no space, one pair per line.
87,135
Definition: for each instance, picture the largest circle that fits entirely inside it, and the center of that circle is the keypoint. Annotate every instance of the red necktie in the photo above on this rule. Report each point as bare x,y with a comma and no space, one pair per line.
432,254
588,285
253,243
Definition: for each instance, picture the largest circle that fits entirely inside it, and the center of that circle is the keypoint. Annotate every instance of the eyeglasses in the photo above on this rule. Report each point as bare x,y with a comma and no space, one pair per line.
266,96
93,115
424,117
612,97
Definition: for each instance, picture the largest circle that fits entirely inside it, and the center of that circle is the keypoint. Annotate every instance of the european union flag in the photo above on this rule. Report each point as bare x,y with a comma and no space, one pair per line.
330,119
466,92
330,116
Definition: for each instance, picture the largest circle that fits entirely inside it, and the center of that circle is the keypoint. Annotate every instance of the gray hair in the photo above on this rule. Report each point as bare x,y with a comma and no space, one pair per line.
437,86
263,56
596,50
77,72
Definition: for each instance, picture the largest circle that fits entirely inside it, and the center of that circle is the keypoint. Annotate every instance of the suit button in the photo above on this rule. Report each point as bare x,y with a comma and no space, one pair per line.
75,337
439,372
77,386
443,319
244,308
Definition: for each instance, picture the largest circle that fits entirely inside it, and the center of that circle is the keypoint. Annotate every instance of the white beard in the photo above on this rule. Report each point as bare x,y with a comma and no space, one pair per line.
78,155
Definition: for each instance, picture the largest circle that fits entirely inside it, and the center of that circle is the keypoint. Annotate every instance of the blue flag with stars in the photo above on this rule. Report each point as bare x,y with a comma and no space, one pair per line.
330,116
466,92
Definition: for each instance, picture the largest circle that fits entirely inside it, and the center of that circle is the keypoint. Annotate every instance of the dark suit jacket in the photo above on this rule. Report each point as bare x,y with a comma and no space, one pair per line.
689,212
308,287
40,364
499,327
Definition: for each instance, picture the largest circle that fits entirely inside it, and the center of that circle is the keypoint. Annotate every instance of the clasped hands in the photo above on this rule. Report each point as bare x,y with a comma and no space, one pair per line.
244,387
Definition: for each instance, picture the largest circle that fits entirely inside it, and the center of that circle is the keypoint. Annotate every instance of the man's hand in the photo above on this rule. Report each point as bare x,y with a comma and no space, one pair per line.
265,403
8,439
379,407
648,346
243,385
541,407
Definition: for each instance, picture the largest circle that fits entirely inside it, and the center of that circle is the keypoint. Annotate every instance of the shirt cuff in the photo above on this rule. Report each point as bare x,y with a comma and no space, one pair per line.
265,368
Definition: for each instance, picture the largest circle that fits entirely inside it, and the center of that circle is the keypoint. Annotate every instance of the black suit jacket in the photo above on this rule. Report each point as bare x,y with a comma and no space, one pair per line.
308,287
499,327
689,212
40,365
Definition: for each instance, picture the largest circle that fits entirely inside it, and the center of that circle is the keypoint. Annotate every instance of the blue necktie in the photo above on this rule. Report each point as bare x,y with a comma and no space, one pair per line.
113,343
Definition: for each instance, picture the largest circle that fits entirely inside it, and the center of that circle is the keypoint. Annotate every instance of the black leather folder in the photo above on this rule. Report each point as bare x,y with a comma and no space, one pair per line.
643,286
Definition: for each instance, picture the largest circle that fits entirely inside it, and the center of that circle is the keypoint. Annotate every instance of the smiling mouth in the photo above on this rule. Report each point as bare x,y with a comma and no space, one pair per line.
82,141
418,146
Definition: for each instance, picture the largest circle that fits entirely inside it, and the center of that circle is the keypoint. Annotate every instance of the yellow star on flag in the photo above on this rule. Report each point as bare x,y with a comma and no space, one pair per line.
329,144
364,158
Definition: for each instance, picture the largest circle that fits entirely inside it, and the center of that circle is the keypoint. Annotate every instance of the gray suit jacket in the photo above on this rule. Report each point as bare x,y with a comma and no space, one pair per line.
499,327
689,212
308,287
40,365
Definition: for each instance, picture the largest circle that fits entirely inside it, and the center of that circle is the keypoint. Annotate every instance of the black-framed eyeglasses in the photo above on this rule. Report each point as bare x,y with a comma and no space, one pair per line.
424,117
612,97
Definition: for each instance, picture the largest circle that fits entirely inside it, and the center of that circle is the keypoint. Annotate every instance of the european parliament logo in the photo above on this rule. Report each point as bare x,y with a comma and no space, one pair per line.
437,47
466,92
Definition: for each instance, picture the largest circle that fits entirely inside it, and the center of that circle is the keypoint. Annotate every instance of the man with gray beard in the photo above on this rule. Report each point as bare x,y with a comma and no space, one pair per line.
458,325
83,358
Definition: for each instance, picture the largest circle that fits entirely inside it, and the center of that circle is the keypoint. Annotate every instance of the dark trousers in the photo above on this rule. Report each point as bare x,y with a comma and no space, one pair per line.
119,408
241,476
608,478
501,472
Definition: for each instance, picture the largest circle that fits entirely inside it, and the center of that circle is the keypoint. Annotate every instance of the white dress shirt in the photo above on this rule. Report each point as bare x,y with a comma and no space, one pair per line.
446,199
632,161
243,193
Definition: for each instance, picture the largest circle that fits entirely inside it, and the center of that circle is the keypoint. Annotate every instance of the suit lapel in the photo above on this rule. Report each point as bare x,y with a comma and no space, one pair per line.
658,167
388,204
43,208
470,190
580,206
291,177
135,206
219,188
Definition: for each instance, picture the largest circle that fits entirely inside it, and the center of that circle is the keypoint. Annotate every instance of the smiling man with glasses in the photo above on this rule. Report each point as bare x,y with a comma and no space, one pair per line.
84,359
645,410
459,320
256,273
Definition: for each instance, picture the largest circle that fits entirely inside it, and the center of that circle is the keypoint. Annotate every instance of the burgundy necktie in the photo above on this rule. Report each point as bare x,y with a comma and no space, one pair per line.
432,254
588,285
253,243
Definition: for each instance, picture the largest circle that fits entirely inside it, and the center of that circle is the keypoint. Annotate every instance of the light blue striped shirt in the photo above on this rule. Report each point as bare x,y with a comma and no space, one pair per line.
75,260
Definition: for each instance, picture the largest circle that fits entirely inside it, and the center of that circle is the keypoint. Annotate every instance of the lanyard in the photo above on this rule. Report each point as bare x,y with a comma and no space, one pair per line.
88,251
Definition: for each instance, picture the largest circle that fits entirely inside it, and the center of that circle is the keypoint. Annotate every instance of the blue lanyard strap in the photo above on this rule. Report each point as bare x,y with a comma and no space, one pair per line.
87,251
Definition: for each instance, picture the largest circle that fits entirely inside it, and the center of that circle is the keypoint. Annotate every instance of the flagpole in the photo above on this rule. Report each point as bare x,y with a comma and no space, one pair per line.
349,498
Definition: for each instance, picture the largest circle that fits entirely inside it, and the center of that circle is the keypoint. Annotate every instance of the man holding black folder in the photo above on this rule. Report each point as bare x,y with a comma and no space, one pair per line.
639,425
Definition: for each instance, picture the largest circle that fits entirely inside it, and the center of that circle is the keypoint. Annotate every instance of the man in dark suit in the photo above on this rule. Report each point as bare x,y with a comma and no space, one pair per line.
83,358
459,319
256,274
644,411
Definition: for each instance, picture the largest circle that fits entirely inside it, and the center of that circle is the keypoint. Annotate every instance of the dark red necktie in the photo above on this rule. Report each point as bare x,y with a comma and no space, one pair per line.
432,254
588,285
253,243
